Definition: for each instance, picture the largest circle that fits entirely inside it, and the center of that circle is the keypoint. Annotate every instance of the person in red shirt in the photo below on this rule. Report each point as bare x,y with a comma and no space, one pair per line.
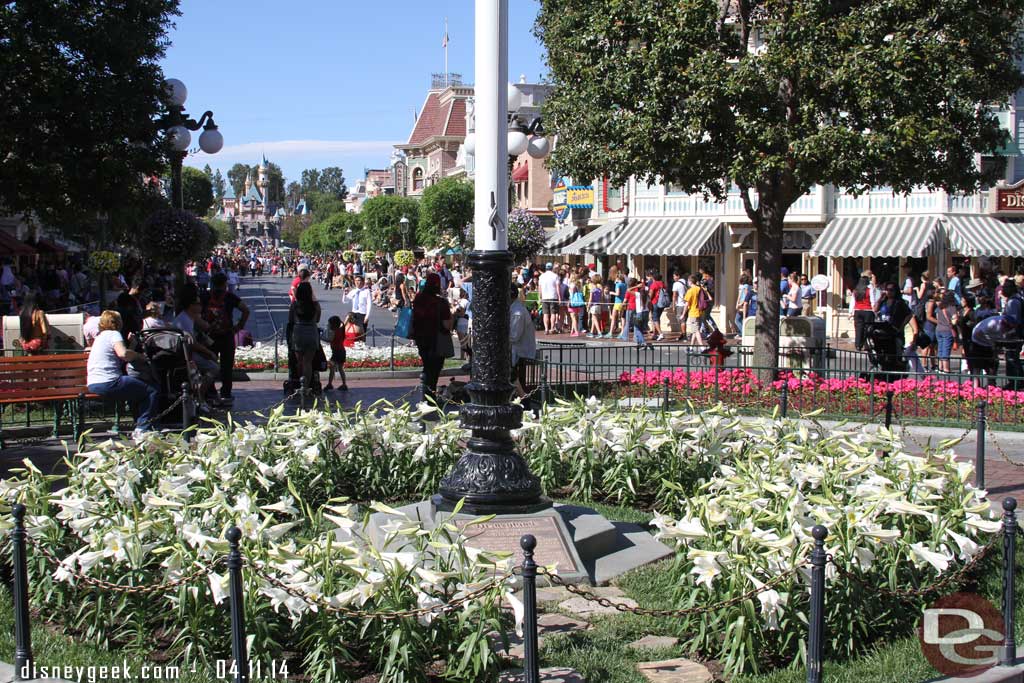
353,331
303,276
658,304
337,361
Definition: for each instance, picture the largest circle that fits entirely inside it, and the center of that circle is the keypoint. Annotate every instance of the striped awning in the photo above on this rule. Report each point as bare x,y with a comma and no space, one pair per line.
596,242
670,237
560,238
983,235
879,236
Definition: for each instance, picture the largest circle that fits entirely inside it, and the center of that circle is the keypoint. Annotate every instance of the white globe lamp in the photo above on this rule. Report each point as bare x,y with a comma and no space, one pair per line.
210,140
470,143
176,91
515,98
180,138
539,147
516,143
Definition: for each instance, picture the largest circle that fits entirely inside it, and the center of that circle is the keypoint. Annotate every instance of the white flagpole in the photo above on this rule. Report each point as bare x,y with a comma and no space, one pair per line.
446,51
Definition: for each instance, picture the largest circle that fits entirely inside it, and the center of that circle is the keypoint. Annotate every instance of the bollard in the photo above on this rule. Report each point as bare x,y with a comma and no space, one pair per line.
188,411
784,399
543,383
392,353
277,359
302,393
1008,655
668,387
979,449
238,651
816,623
23,664
531,665
888,408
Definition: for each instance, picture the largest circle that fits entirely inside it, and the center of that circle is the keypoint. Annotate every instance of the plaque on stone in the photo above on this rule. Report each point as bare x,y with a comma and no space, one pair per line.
503,534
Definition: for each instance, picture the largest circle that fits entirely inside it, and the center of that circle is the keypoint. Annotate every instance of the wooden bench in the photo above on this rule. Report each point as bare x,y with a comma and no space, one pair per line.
57,378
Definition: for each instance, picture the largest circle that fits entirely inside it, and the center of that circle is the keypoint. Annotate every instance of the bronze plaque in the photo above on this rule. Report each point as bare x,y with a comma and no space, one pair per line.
504,534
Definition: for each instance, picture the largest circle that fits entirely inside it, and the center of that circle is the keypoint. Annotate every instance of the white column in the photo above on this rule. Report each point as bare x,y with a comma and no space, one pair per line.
491,184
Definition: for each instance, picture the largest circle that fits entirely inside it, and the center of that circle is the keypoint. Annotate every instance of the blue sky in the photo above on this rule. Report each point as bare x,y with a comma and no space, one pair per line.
316,83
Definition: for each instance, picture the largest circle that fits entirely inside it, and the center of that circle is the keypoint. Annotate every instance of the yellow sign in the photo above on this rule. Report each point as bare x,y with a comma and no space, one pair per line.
580,197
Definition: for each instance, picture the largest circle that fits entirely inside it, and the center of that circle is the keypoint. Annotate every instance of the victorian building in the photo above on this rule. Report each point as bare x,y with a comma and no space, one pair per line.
439,131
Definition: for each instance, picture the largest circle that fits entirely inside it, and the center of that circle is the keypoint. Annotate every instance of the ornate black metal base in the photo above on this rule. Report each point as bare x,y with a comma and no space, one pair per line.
491,477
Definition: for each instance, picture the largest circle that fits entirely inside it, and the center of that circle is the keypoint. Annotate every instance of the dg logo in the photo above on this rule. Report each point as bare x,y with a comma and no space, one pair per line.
961,634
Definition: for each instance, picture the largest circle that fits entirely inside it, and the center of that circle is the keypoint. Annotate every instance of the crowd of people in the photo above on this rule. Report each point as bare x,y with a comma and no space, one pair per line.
933,317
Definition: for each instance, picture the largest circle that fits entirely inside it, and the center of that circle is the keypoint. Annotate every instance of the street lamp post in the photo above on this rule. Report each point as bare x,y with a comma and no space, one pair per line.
491,476
405,231
179,126
523,136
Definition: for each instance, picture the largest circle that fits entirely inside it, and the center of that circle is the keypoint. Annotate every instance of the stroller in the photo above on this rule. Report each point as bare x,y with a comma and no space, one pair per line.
168,364
885,349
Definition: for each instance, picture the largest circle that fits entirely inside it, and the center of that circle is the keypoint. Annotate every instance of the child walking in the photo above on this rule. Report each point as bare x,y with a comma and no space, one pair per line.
337,361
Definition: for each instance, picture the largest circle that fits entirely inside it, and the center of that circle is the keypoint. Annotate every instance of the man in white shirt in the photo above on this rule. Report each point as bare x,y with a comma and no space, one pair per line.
523,336
361,301
550,297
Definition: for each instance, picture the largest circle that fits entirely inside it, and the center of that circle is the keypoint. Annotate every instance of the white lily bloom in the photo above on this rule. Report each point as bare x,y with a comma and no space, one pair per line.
706,568
923,554
218,586
985,526
967,547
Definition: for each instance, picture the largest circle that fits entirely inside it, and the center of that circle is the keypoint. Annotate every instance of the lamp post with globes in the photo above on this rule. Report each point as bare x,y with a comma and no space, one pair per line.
179,126
405,231
523,136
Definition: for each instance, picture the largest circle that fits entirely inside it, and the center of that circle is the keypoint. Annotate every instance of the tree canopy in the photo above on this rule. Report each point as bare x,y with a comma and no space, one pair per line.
381,219
330,180
196,190
82,91
777,97
275,179
446,208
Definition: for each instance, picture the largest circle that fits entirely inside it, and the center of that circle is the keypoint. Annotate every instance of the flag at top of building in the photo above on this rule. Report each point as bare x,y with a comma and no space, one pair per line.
444,40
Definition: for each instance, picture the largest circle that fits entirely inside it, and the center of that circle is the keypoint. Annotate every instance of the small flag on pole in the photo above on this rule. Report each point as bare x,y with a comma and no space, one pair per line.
444,40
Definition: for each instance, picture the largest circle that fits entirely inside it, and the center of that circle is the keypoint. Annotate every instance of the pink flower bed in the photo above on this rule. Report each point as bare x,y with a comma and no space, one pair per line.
929,396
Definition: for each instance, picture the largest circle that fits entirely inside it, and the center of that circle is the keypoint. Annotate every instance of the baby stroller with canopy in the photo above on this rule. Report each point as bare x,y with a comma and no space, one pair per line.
168,365
885,348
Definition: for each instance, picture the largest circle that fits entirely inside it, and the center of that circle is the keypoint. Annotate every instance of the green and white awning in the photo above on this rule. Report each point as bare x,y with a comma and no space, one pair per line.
879,236
561,238
984,235
596,242
670,237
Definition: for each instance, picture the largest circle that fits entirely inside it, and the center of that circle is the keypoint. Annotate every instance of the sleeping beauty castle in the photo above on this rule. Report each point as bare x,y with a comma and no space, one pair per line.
256,219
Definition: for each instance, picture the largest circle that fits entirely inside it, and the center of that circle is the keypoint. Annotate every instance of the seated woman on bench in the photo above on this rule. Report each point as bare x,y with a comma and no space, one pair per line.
107,379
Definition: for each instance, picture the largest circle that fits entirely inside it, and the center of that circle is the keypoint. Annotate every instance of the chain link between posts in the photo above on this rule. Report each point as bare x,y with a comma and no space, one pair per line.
680,612
940,585
202,570
999,449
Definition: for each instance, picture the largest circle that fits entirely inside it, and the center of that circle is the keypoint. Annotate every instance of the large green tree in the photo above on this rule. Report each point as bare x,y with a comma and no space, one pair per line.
446,207
219,185
322,205
310,180
381,218
81,91
777,96
196,191
332,181
341,230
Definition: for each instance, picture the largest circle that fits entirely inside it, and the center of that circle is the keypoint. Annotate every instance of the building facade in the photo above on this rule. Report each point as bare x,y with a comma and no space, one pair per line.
440,129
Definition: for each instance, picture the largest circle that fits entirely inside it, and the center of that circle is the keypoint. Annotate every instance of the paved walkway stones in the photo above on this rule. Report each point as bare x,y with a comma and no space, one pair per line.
675,671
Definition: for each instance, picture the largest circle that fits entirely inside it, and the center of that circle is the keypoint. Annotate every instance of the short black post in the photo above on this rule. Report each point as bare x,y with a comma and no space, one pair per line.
784,399
543,382
277,358
238,651
188,411
816,635
531,664
392,367
1008,656
302,393
888,408
979,449
22,630
668,388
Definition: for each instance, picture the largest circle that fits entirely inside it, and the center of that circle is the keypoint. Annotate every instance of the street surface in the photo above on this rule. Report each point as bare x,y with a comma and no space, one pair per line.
267,298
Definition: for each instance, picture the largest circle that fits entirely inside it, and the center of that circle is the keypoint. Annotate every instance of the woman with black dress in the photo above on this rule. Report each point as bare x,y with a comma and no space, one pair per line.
431,318
303,316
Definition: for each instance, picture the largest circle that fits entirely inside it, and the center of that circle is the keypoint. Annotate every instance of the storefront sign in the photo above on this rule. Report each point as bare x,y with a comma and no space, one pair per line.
580,197
612,197
820,283
1009,199
559,201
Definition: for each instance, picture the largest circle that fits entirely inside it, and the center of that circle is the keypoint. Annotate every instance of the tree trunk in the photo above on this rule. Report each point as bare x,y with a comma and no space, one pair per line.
769,263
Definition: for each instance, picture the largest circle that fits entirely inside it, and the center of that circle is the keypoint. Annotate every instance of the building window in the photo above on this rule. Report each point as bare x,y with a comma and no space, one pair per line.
417,180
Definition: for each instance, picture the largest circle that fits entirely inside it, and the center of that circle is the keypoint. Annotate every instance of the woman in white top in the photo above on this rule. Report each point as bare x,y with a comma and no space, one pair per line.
106,374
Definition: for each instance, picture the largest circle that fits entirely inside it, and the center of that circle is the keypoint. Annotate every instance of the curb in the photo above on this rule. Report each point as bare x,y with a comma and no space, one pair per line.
997,674
243,376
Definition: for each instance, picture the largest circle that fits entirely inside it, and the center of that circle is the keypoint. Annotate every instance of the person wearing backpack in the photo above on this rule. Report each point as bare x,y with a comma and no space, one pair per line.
596,302
660,300
1013,310
219,307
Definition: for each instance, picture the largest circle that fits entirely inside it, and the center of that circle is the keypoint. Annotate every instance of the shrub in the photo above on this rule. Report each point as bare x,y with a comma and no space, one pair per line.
895,521
368,256
348,255
404,257
172,236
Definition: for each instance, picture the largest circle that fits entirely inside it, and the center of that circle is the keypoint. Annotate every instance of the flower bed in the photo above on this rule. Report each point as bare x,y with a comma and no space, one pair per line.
154,512
895,522
261,357
929,398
